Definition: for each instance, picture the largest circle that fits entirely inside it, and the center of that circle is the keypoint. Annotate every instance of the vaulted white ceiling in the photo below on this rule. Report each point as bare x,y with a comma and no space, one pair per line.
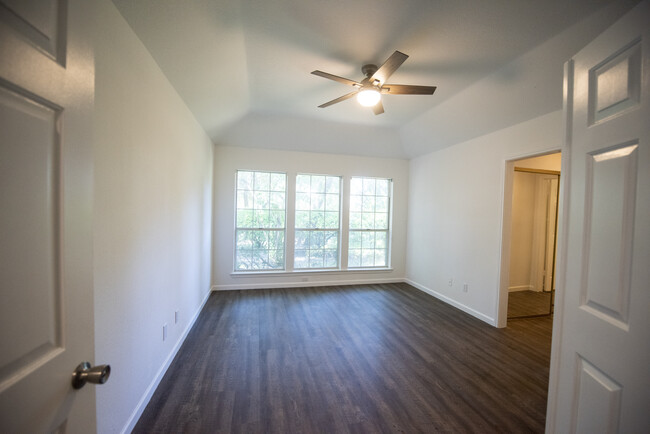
240,61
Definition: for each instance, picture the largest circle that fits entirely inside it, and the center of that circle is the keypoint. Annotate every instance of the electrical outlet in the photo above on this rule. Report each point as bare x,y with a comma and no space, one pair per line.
451,282
176,317
465,287
164,332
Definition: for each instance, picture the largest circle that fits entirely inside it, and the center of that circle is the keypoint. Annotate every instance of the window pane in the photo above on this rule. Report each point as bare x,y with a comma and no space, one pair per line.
244,218
261,204
355,240
244,180
380,258
368,204
262,181
316,259
381,221
278,182
317,219
330,260
317,184
355,220
355,203
381,204
331,240
302,201
316,240
303,183
277,200
368,186
368,240
317,235
356,186
333,184
354,258
317,201
301,259
302,219
243,260
331,220
302,240
276,258
332,202
277,219
261,200
368,258
382,187
369,222
380,240
261,218
244,200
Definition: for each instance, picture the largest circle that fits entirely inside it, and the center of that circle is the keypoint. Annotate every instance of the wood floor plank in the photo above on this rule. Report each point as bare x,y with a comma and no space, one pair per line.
365,358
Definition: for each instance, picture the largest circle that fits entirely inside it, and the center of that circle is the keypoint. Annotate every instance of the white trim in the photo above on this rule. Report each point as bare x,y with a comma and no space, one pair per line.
453,302
146,397
284,284
307,271
521,288
562,247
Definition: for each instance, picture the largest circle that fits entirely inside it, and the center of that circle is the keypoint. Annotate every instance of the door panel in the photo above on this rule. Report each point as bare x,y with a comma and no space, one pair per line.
29,217
46,184
41,22
600,381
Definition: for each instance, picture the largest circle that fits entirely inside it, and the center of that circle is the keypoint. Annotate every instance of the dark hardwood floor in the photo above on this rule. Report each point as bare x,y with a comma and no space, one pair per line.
524,303
367,359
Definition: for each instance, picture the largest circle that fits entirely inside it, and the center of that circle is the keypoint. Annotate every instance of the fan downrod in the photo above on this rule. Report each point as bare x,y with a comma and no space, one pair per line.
369,69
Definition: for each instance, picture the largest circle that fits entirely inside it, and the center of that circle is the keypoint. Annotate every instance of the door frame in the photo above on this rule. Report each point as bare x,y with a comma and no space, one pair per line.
506,224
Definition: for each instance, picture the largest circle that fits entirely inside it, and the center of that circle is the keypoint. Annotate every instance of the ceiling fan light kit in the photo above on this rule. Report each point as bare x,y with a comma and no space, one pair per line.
368,96
369,90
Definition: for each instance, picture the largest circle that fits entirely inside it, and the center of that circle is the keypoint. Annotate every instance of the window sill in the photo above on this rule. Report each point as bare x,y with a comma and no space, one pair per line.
297,272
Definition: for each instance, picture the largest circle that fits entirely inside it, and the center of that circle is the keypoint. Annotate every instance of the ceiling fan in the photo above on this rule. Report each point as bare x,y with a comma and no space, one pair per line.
370,89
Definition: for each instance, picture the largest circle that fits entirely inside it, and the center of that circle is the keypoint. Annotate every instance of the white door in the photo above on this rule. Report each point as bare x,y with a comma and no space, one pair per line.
46,186
600,368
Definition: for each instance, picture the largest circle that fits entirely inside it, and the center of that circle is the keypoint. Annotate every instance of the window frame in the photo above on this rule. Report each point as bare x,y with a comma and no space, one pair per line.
323,229
290,230
237,229
387,231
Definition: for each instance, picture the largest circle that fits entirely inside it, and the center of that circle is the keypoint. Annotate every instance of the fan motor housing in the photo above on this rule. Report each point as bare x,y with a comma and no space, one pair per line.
369,69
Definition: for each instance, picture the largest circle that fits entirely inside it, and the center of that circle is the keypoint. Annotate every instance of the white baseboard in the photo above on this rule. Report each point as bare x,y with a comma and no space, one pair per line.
269,285
453,302
142,404
521,288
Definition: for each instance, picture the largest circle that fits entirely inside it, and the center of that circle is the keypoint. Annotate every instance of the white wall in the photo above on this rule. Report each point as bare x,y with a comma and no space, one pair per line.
524,265
542,162
152,219
290,133
455,213
521,240
528,87
457,188
230,159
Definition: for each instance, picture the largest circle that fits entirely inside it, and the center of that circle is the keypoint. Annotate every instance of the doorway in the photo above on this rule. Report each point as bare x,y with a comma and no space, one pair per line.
529,246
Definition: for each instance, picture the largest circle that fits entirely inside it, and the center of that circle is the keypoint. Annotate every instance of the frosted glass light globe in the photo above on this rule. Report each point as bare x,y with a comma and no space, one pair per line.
368,97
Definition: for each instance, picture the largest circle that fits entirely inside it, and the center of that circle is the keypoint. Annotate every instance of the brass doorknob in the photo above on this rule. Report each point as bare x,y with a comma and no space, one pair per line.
85,373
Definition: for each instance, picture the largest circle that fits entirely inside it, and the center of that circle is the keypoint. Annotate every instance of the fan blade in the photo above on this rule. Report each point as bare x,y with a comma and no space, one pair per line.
407,89
339,99
389,67
378,108
336,78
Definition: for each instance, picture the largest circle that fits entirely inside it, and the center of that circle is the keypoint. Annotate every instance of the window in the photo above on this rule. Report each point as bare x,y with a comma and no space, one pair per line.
260,220
317,221
369,211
